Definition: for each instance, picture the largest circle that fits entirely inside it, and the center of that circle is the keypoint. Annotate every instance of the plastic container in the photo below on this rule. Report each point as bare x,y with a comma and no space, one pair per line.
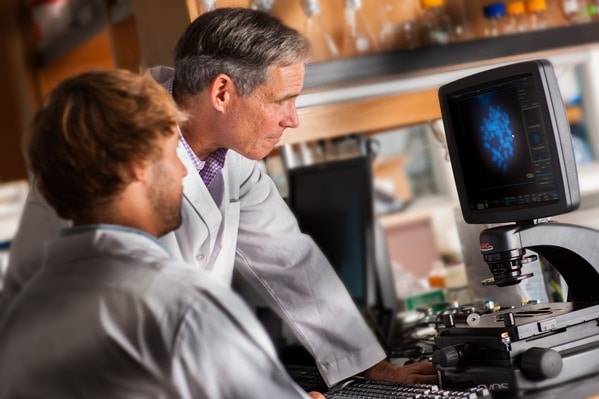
357,36
517,20
575,11
537,12
495,19
437,26
433,299
437,276
593,9
322,45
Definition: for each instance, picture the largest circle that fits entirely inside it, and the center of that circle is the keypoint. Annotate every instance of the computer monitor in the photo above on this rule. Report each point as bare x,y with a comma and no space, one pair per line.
333,204
509,144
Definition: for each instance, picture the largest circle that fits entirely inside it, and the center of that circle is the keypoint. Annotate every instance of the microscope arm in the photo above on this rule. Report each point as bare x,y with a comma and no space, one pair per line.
572,250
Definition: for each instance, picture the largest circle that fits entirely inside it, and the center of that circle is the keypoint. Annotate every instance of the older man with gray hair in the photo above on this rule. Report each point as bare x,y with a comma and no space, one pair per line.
237,75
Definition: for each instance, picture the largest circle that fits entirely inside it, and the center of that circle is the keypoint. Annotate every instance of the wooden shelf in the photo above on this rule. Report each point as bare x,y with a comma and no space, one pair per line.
450,56
364,116
339,98
415,77
372,115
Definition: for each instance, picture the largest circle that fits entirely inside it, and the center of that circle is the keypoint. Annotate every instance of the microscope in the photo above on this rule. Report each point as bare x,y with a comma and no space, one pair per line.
511,154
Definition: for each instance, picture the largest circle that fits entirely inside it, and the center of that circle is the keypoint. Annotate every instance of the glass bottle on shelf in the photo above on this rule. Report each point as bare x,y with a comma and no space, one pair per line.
494,19
322,45
537,11
437,27
263,5
357,36
409,37
205,6
517,21
456,10
388,30
575,11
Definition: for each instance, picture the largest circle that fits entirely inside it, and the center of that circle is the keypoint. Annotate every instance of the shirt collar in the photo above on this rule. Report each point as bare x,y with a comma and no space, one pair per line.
84,228
89,241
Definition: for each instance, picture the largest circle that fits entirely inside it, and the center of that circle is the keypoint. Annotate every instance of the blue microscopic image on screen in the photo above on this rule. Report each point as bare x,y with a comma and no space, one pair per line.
501,143
497,136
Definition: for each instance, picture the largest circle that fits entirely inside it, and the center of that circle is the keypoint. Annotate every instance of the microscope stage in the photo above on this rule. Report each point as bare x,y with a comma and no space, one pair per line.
530,320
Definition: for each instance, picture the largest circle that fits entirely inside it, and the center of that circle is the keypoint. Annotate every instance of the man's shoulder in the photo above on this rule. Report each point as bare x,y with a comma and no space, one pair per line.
181,289
184,280
159,287
180,277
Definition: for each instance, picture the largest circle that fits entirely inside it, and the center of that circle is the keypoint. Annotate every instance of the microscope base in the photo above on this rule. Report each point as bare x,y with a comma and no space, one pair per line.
491,354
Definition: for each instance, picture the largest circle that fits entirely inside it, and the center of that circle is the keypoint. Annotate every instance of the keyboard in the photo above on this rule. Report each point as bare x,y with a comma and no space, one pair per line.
307,377
369,389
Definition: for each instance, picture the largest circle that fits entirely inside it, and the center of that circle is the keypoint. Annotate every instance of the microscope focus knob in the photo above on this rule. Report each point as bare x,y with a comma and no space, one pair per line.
447,357
540,363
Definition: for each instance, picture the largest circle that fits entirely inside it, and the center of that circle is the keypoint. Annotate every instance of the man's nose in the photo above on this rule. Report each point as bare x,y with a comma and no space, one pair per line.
291,119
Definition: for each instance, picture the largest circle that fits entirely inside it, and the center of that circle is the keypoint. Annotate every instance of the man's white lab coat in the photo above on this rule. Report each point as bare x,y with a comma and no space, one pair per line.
111,315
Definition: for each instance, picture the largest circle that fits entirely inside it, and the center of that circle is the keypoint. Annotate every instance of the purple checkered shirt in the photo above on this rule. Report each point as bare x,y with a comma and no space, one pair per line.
209,168
213,164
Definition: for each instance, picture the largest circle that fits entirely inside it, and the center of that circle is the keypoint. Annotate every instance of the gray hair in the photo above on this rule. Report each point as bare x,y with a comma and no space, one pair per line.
238,42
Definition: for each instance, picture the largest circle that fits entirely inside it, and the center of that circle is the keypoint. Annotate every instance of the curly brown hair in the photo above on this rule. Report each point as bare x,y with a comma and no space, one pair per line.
93,126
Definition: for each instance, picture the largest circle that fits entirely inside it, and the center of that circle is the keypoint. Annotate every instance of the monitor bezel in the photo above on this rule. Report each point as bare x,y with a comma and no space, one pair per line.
555,119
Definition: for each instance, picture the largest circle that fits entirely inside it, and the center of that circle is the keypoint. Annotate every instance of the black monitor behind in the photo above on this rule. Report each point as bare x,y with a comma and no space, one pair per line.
386,292
333,203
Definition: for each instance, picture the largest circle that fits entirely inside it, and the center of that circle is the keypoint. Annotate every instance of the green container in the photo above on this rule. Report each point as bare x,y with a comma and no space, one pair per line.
434,299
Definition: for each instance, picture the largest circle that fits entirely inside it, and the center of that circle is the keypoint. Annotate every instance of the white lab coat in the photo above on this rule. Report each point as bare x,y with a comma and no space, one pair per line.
111,315
253,231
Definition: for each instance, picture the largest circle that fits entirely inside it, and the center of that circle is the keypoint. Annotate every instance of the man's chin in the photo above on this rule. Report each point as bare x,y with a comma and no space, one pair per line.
259,150
262,153
172,225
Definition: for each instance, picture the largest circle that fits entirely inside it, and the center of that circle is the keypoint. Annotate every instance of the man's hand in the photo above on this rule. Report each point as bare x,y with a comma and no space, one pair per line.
416,373
316,395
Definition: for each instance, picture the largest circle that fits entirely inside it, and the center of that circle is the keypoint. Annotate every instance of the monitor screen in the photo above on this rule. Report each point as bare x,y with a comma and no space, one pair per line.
333,204
511,153
504,142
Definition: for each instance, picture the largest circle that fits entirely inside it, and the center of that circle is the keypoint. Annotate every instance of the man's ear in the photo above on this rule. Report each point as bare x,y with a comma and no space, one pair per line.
221,91
139,171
